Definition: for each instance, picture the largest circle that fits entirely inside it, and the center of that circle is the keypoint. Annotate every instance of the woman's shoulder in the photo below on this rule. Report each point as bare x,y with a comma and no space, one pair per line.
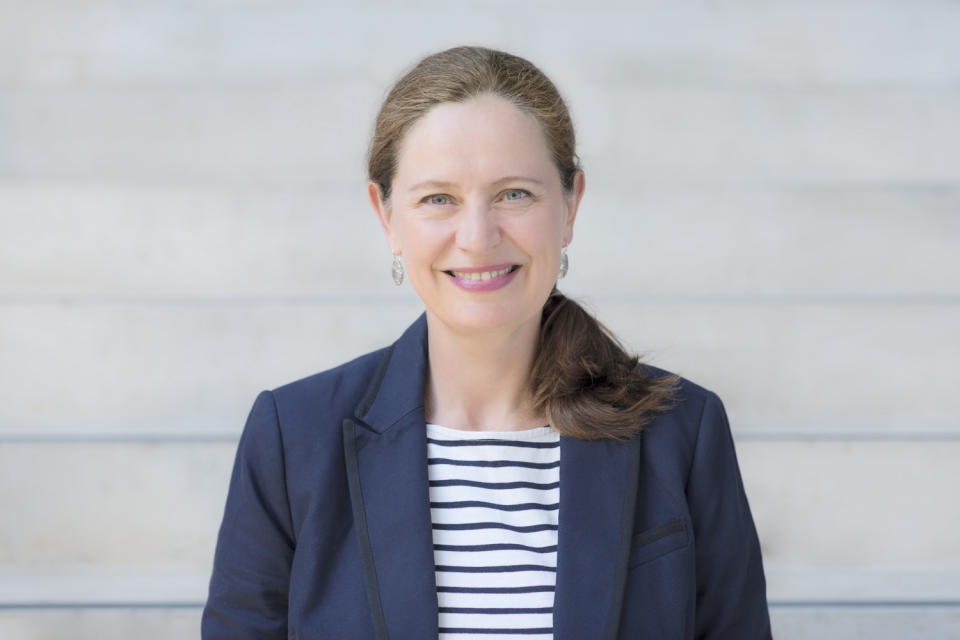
340,378
325,397
689,395
692,405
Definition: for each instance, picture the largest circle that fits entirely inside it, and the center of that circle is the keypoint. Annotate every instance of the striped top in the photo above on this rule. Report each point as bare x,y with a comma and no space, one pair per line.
494,502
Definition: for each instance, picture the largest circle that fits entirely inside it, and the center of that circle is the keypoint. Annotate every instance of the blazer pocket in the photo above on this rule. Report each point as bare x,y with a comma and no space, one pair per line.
657,541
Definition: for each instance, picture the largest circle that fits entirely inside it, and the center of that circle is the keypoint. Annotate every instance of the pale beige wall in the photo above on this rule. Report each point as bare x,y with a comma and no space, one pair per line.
772,210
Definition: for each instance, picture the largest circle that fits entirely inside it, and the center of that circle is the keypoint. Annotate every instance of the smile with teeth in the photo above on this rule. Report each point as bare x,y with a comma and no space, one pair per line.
485,275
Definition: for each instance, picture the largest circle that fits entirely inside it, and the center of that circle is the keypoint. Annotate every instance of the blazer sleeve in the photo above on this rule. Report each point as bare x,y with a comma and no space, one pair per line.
251,567
731,588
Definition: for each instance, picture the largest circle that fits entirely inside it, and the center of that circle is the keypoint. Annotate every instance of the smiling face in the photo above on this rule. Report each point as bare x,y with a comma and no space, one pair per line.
476,191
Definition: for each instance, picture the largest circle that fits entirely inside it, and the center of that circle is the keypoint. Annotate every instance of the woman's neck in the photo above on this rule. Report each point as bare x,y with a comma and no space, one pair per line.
480,382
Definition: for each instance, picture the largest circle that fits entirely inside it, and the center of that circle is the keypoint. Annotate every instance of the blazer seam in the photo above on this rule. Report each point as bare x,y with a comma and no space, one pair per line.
696,442
283,468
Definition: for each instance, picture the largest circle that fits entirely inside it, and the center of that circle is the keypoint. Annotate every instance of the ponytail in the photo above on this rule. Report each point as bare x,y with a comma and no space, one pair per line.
586,383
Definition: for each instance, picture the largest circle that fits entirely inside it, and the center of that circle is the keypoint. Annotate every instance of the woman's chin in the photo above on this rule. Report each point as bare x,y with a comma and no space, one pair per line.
483,318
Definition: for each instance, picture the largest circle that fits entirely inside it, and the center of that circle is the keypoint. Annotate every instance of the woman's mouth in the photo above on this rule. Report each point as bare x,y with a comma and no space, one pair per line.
484,275
483,280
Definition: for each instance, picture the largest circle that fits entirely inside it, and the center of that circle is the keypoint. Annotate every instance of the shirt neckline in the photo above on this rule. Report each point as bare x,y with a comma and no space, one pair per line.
474,434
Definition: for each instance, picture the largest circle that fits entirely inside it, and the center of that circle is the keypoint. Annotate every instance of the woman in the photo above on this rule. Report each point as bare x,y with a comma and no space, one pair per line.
504,469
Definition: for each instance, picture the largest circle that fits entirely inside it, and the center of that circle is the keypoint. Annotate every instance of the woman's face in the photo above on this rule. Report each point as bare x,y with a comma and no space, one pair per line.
476,190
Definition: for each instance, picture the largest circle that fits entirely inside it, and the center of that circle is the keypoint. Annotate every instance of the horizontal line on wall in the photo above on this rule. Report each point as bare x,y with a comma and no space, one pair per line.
321,78
761,299
404,299
25,436
100,605
848,435
649,184
116,437
813,604
362,298
863,604
106,586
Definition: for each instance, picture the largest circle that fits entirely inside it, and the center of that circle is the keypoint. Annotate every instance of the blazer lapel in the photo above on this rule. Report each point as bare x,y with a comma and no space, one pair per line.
385,451
386,459
598,490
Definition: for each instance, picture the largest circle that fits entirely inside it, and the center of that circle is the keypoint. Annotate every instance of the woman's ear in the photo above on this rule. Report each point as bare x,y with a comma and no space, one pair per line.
572,204
384,214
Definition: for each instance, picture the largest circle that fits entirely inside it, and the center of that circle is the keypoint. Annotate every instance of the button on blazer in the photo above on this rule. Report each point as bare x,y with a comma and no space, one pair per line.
326,533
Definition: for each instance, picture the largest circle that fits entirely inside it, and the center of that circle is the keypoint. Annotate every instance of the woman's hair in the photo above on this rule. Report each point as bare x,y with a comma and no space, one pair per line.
582,378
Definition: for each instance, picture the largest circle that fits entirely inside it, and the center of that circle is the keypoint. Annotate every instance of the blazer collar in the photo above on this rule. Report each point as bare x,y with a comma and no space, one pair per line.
399,381
385,451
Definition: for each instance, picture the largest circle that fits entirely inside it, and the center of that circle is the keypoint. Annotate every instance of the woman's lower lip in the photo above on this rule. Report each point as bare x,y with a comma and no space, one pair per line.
483,285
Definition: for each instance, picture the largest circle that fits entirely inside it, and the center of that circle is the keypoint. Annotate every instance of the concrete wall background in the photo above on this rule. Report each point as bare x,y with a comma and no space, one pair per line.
772,210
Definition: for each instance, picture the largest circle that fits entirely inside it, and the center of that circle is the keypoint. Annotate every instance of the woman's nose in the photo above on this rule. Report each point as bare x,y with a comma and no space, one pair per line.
478,228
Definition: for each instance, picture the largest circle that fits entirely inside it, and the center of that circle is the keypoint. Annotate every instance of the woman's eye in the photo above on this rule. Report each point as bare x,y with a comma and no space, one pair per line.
515,194
437,199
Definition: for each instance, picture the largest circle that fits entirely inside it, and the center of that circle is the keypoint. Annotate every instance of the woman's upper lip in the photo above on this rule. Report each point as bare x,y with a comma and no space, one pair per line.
491,267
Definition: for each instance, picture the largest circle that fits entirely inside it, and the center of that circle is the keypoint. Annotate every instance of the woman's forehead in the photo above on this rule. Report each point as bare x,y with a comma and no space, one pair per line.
486,136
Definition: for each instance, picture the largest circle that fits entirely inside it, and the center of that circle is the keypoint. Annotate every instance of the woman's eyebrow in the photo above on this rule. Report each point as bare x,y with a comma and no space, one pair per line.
443,184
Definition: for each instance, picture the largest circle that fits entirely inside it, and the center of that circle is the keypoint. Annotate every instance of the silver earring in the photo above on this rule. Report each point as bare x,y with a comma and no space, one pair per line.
397,270
564,263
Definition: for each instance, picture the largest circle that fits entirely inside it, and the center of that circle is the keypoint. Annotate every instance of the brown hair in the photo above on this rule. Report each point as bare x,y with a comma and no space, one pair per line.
582,378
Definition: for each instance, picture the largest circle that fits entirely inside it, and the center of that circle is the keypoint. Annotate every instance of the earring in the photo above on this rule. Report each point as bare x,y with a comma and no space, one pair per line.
397,270
564,263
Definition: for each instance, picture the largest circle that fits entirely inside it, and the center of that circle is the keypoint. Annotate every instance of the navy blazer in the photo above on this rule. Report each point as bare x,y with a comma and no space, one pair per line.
327,530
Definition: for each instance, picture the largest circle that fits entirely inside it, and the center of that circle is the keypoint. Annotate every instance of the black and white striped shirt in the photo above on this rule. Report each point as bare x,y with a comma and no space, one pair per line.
494,502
